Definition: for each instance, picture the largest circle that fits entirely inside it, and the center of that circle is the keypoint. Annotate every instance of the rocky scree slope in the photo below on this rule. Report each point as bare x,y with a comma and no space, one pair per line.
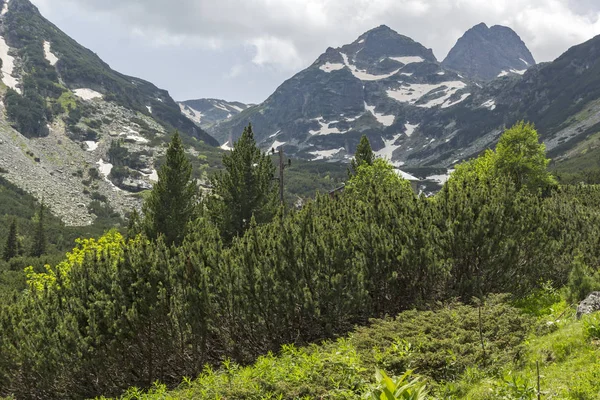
73,131
483,53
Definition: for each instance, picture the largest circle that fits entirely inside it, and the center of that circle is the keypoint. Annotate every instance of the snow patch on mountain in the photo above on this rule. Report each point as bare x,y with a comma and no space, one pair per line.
8,66
87,94
364,75
192,114
50,56
490,104
5,7
410,129
408,59
449,103
451,88
325,154
388,148
92,145
512,70
276,144
441,179
328,67
325,128
406,175
524,62
104,168
149,109
386,120
226,146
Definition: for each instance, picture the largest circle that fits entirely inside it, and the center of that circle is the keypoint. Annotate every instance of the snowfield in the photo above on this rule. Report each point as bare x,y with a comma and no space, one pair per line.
325,154
449,103
276,144
514,71
91,145
406,175
364,75
325,128
50,56
389,147
226,147
328,67
490,104
407,59
411,93
8,66
87,94
5,8
410,129
385,120
192,114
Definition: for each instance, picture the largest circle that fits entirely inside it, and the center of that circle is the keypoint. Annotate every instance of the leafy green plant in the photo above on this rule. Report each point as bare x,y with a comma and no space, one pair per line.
402,388
591,326
515,387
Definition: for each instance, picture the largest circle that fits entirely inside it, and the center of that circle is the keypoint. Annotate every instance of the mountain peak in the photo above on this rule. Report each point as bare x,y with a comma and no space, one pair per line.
484,53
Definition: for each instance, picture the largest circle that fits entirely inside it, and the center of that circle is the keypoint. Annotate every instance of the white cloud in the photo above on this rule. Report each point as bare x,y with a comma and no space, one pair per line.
274,51
292,33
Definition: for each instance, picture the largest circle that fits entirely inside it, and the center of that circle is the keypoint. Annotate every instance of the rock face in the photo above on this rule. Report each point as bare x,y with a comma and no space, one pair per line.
207,112
381,85
484,53
590,305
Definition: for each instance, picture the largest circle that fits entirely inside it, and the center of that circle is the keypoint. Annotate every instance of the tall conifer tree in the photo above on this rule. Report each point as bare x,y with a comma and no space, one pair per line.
38,247
171,203
364,155
246,189
11,249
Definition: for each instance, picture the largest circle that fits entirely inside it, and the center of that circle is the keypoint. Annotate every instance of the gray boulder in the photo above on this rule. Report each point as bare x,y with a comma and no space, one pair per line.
589,305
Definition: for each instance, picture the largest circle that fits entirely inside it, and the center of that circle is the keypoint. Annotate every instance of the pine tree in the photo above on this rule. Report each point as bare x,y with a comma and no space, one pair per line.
170,206
38,247
245,190
11,249
364,155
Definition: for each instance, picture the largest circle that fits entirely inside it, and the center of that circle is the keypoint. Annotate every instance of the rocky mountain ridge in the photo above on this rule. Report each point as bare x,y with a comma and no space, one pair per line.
483,54
207,112
380,85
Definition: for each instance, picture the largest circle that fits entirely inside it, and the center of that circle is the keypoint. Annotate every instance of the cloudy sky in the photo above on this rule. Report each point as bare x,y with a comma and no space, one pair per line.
243,49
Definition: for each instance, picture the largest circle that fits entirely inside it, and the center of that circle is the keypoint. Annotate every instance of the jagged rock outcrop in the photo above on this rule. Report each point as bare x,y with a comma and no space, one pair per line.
484,54
590,305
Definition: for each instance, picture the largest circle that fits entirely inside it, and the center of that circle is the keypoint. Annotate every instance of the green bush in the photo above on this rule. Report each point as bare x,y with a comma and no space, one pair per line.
591,325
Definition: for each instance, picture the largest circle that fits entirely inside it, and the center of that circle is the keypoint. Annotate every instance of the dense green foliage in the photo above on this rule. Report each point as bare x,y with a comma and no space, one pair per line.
119,313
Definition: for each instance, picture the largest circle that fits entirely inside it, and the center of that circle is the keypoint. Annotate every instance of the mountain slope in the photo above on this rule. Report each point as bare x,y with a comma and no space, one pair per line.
380,85
207,112
562,98
484,53
50,59
74,132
